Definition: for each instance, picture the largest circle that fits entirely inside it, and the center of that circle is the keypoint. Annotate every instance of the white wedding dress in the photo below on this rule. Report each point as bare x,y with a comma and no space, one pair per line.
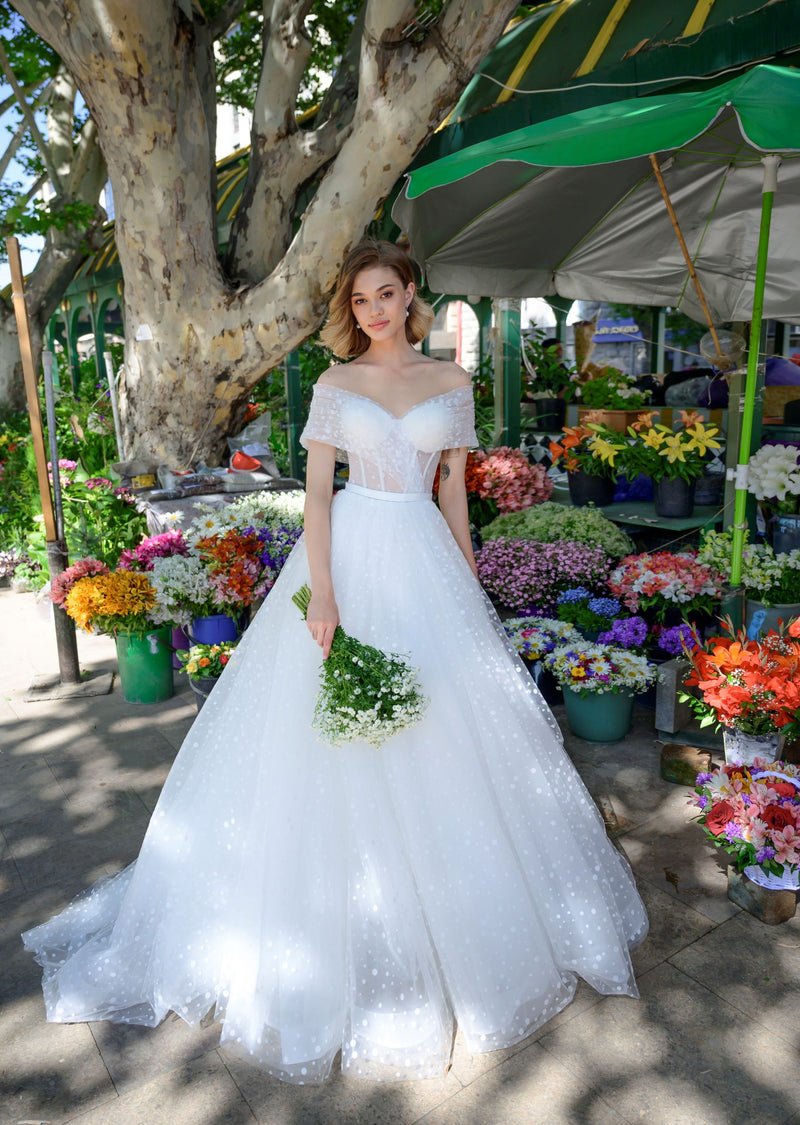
356,899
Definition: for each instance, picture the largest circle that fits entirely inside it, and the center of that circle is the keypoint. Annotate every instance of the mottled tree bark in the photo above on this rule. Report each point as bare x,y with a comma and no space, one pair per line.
199,337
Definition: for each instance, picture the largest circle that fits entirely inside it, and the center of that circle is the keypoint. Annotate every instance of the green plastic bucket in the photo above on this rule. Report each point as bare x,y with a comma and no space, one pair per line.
145,665
599,718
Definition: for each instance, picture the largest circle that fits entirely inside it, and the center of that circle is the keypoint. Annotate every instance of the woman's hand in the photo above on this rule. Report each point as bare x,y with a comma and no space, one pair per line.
322,618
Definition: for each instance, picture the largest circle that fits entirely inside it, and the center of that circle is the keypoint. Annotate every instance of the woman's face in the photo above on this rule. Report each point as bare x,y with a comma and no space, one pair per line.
379,301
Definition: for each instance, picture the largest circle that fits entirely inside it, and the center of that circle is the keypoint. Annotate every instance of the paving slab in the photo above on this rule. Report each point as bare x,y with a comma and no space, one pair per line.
340,1100
528,1089
680,1055
754,967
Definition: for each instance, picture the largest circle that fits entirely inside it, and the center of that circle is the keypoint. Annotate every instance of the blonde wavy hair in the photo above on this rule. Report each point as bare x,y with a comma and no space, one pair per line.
341,333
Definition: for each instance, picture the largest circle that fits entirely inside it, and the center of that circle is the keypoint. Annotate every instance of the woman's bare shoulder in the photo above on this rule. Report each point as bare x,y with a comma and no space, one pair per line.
451,376
335,376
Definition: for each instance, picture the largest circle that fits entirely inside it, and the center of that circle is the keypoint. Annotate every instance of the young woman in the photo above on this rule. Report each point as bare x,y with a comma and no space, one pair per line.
320,900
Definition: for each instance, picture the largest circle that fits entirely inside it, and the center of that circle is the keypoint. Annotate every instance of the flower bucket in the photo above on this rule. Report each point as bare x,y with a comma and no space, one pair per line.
785,533
145,665
214,629
674,498
586,488
785,612
599,718
179,641
202,688
744,748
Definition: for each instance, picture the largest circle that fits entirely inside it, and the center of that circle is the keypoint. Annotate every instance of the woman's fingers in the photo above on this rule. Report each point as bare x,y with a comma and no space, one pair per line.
322,632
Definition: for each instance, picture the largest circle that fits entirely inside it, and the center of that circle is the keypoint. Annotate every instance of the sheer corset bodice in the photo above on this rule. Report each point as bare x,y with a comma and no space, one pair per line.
386,452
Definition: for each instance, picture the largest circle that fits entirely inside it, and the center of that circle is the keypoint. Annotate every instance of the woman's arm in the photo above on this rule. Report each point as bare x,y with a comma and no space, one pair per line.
323,613
453,500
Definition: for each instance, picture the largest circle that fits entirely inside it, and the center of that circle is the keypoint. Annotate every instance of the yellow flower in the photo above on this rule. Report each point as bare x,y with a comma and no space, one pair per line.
673,449
191,667
701,438
578,673
603,449
653,439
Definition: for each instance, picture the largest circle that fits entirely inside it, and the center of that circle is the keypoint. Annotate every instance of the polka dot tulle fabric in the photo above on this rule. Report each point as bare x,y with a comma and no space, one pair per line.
360,900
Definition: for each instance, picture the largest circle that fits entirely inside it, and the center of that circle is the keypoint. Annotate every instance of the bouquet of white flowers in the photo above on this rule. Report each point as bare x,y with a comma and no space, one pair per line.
774,477
365,695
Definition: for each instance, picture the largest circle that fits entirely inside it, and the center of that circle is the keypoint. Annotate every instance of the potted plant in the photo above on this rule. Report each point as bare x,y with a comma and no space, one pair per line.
590,613
548,383
774,480
527,577
554,523
673,459
501,480
772,581
141,558
752,811
612,398
204,664
590,451
534,638
666,587
751,688
123,604
599,683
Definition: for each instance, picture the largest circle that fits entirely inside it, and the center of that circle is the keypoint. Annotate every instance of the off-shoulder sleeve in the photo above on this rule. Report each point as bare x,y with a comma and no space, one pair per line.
323,422
461,428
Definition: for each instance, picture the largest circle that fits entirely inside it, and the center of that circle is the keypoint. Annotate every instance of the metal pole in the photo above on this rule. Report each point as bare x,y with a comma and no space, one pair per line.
745,438
112,391
66,642
52,440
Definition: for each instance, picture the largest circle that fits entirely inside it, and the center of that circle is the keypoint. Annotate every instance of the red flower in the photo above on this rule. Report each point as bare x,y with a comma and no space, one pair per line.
775,816
718,817
224,658
780,788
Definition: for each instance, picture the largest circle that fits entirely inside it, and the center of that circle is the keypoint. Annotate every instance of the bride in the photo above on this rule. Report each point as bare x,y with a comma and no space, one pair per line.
319,900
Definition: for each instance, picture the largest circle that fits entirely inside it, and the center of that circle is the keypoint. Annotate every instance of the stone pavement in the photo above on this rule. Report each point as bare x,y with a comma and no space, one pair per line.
714,1039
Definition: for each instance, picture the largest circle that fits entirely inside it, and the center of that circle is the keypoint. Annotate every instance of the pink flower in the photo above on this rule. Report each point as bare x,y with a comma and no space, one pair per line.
786,843
63,583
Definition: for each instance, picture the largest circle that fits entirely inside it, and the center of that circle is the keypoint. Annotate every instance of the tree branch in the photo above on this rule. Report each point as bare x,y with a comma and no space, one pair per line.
30,117
22,129
225,18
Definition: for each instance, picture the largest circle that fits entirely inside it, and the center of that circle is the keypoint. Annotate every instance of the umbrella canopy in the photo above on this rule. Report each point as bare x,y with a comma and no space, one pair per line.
571,205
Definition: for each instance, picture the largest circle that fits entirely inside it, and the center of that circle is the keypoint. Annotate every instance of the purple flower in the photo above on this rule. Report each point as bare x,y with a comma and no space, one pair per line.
521,573
703,802
703,778
626,632
763,854
673,640
733,831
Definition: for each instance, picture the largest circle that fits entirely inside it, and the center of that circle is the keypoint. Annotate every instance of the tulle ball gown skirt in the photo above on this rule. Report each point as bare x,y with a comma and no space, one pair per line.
354,899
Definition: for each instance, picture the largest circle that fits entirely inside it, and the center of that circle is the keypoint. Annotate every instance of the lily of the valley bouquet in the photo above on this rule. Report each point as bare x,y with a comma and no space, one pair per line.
596,669
753,812
365,695
752,686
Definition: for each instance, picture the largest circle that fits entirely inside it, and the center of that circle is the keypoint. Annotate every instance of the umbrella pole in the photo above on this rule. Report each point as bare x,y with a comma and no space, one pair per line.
685,249
740,502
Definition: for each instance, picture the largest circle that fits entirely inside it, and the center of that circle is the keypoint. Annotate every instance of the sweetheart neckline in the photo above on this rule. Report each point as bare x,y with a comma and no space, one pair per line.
385,409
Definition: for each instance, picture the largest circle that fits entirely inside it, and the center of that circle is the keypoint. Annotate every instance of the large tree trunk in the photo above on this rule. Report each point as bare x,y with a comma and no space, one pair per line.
198,341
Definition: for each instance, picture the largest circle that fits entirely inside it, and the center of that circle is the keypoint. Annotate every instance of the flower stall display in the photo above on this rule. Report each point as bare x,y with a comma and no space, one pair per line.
553,523
123,603
630,633
501,480
749,687
204,664
752,811
772,581
599,683
774,479
183,589
528,577
661,585
163,546
589,613
365,695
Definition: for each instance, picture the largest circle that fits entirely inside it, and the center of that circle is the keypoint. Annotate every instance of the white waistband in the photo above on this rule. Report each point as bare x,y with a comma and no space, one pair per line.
376,494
